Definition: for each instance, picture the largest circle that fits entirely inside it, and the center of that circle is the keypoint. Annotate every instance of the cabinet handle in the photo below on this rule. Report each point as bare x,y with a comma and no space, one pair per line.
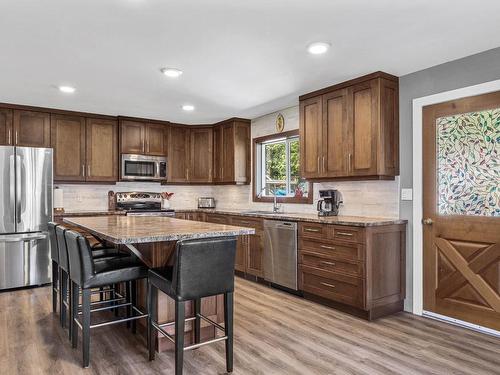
311,230
324,164
9,137
319,169
327,247
17,137
245,222
328,285
88,170
349,166
345,234
83,170
327,263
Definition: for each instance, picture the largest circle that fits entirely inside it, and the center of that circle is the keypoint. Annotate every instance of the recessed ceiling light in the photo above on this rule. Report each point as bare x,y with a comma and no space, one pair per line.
67,89
171,72
318,48
188,107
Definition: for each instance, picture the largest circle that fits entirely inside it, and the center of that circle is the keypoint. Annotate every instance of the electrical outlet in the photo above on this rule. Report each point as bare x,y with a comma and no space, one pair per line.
406,194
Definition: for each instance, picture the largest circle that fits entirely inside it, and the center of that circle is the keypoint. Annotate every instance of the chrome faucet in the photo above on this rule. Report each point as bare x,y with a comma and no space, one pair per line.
276,206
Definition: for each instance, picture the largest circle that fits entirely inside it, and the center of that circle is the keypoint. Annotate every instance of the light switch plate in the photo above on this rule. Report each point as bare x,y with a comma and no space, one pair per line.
406,194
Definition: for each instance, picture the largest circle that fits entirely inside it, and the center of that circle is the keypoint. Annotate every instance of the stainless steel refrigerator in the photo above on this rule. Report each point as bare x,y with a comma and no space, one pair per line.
25,210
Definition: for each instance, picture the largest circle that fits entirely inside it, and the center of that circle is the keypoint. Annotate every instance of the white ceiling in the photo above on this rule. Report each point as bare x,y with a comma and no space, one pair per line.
240,58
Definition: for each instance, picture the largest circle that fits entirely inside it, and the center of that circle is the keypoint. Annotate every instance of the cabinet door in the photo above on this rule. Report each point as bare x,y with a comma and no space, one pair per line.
241,253
311,137
31,129
102,150
241,158
132,137
363,126
68,141
255,254
155,137
227,153
178,154
201,140
335,134
5,126
218,154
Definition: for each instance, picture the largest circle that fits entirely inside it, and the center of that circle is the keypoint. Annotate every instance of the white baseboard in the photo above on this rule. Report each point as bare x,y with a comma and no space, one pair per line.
461,323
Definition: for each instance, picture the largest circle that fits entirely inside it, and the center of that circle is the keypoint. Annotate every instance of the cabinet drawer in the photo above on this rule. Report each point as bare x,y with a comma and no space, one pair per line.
217,219
247,222
333,249
315,230
336,287
326,263
348,234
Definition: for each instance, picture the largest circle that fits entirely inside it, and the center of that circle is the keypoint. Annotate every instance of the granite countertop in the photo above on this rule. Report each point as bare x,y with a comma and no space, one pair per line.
359,221
77,213
120,229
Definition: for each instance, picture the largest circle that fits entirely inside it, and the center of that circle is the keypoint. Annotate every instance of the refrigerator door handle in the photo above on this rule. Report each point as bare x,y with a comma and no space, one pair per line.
12,188
18,188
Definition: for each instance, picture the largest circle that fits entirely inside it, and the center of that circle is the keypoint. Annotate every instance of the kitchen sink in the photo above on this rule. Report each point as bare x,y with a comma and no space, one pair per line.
259,212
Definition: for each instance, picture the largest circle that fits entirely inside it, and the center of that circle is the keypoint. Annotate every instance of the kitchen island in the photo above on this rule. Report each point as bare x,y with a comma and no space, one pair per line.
153,239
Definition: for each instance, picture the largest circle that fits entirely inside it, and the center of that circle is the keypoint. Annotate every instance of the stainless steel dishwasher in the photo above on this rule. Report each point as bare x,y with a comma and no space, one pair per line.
280,253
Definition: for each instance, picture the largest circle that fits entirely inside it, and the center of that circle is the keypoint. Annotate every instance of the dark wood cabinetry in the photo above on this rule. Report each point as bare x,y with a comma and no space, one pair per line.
85,149
361,270
68,141
231,155
178,154
251,251
351,130
31,128
142,137
5,126
201,151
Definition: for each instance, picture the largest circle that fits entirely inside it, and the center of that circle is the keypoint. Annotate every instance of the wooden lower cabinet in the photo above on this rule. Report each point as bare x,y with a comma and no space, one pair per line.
253,248
359,270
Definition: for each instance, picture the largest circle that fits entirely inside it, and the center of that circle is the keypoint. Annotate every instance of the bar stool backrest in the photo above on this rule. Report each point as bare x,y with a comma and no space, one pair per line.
80,257
62,248
203,267
54,252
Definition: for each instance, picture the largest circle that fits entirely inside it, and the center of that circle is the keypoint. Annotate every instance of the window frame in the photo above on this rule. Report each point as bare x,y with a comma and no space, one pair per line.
256,160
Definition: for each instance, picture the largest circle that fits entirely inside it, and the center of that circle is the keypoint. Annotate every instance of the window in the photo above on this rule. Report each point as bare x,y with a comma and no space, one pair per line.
277,169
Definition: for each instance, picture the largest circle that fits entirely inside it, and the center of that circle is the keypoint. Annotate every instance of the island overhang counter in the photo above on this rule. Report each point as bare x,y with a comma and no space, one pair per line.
152,239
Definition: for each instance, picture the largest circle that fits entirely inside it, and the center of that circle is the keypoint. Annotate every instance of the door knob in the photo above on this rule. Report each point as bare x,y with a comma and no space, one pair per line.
427,221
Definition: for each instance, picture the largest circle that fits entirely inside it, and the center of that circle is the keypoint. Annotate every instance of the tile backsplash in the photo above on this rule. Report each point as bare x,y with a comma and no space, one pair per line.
361,198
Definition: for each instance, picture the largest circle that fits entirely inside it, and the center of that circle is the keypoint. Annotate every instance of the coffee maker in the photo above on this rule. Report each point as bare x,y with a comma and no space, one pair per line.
329,203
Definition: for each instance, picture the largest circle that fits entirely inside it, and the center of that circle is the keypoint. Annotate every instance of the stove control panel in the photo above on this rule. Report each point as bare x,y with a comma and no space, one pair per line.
129,197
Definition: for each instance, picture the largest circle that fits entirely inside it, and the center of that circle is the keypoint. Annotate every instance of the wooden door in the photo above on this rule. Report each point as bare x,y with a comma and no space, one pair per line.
178,154
31,129
335,134
462,209
101,150
218,154
227,153
201,145
241,153
311,137
132,137
255,265
154,139
363,112
5,126
67,138
241,253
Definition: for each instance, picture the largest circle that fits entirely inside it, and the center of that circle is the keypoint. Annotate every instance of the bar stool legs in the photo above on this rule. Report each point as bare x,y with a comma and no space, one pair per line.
133,299
55,285
63,287
75,299
228,325
86,293
197,324
153,317
180,316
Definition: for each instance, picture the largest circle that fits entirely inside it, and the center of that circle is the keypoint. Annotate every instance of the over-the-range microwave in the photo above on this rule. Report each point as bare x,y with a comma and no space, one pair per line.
143,168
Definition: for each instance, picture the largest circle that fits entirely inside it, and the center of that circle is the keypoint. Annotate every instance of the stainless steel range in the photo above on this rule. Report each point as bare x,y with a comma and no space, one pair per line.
141,204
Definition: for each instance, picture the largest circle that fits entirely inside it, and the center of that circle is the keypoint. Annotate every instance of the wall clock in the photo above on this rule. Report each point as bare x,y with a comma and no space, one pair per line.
280,123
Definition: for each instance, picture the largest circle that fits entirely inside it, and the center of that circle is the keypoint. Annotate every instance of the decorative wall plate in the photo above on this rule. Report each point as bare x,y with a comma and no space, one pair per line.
280,123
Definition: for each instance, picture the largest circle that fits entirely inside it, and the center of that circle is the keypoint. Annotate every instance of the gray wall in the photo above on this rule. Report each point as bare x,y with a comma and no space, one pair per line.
468,71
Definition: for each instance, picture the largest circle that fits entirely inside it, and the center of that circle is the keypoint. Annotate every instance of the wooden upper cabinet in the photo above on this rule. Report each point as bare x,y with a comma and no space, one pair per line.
31,129
335,136
178,154
232,152
132,137
311,137
68,141
101,150
201,148
5,126
155,139
351,130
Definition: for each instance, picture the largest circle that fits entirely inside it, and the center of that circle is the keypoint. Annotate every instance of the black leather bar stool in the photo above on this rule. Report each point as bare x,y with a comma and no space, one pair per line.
54,255
100,254
202,268
88,273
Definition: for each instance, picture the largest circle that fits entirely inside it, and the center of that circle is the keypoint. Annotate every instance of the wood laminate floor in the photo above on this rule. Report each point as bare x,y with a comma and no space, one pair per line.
275,333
